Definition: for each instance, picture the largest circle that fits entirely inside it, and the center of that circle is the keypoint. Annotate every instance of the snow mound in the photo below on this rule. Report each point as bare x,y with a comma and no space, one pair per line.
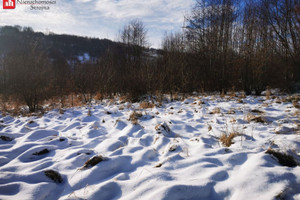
171,152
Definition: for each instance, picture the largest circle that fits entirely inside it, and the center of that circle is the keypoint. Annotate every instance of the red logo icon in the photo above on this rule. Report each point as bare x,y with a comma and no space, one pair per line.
9,4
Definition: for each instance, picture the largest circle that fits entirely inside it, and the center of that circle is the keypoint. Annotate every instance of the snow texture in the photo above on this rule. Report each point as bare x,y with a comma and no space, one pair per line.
173,152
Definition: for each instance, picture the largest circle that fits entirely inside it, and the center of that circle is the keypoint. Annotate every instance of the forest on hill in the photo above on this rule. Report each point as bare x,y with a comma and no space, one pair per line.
225,45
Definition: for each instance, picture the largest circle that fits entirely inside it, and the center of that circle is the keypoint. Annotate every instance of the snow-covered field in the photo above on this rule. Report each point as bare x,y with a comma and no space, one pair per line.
173,152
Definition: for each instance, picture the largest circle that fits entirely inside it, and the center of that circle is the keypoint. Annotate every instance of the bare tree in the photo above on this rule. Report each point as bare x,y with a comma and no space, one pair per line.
134,33
177,74
209,33
28,72
134,36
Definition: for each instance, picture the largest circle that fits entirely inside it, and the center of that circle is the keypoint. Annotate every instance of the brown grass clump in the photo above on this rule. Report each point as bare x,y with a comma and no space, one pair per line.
53,175
158,165
296,105
99,96
282,194
73,100
285,130
89,112
215,111
232,93
232,120
42,152
160,127
134,116
201,102
123,99
227,139
11,107
278,100
92,162
257,119
5,138
231,111
222,93
240,101
145,105
283,158
257,111
61,111
209,128
243,95
173,148
268,94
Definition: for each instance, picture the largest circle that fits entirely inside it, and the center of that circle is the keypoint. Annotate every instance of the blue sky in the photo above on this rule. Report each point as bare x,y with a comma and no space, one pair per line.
102,18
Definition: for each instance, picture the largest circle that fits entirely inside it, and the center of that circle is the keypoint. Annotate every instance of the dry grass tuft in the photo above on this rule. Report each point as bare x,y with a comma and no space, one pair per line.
98,96
278,100
209,127
5,138
61,111
173,148
92,162
145,105
53,175
285,130
42,152
240,101
281,195
243,95
124,99
232,120
89,112
291,99
12,107
268,94
158,165
134,116
201,102
160,127
231,111
257,119
232,93
215,111
227,139
257,111
283,158
222,93
296,105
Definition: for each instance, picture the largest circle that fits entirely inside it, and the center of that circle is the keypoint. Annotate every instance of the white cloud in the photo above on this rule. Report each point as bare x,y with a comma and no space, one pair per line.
102,18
